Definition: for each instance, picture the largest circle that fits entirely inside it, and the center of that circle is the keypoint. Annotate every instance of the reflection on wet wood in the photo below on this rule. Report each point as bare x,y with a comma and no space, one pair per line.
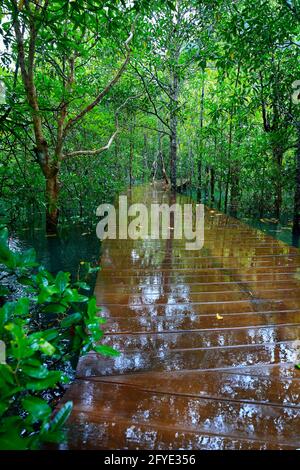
208,342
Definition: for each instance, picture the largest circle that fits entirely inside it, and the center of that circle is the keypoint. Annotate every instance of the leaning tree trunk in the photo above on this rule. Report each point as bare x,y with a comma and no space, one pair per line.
52,191
296,221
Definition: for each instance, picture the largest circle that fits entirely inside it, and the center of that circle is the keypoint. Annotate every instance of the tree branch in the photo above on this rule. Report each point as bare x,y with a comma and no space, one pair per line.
106,90
92,152
155,112
110,141
266,123
292,8
160,131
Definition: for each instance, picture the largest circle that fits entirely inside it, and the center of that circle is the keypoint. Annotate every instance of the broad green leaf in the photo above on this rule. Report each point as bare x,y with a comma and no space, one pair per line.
61,416
36,407
62,281
106,350
38,372
70,320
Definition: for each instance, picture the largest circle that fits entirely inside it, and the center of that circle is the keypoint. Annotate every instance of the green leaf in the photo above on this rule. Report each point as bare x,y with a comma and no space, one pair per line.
25,280
106,350
47,335
54,308
70,320
82,285
61,416
37,408
10,434
72,295
5,253
39,372
46,293
6,374
52,379
28,258
22,307
46,347
3,291
62,281
20,345
50,334
92,309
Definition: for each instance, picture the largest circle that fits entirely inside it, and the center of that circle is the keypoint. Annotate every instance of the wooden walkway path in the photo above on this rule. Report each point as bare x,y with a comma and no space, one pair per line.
207,341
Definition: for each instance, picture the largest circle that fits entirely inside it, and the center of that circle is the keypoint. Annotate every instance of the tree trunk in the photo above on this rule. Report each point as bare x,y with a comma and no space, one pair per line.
174,93
173,156
131,151
161,160
212,186
199,169
262,194
190,161
220,193
296,221
278,157
130,162
226,190
145,157
235,193
52,191
230,138
206,182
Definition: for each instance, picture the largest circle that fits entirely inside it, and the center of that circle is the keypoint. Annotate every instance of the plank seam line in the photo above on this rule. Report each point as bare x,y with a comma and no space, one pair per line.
208,348
203,330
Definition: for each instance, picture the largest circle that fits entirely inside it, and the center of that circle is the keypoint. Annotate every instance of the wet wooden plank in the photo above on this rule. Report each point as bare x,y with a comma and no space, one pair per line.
201,358
90,432
99,402
193,322
226,385
209,338
208,341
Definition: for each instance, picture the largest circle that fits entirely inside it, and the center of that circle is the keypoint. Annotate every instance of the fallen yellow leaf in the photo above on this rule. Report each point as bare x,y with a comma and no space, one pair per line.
219,317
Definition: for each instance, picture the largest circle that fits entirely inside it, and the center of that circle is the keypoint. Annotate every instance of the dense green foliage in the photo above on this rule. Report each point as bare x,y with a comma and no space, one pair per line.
44,328
200,91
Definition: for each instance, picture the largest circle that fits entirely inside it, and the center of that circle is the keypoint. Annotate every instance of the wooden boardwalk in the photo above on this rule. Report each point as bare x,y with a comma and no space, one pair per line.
208,342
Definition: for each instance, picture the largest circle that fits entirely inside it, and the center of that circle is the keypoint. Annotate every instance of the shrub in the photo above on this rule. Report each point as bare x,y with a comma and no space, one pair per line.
43,332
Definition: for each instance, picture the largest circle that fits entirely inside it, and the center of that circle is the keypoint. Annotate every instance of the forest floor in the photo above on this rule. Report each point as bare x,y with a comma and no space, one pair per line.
208,343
